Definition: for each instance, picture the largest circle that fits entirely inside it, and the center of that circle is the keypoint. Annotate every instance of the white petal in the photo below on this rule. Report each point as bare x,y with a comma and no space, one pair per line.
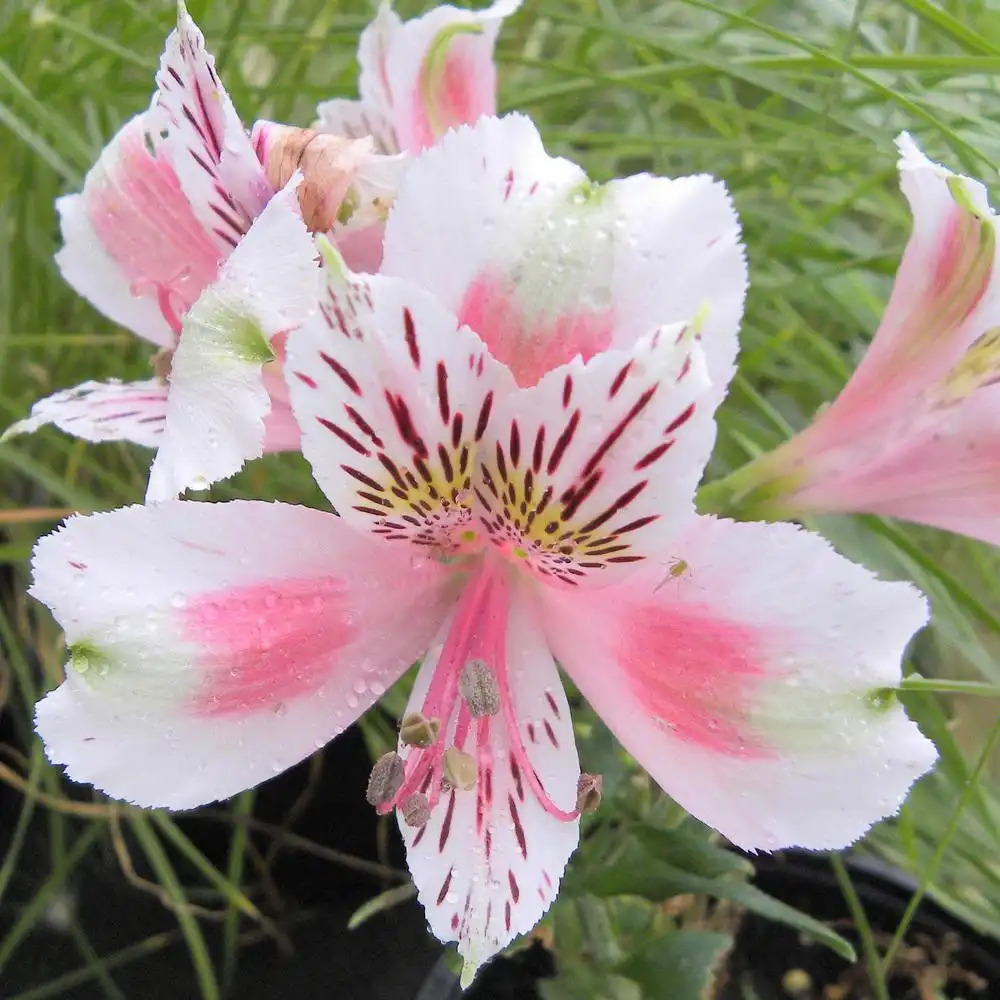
593,470
488,863
218,398
193,122
392,399
102,411
545,265
213,645
750,679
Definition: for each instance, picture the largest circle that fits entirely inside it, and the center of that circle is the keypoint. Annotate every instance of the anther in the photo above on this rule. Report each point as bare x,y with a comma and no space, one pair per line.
588,792
460,768
386,779
418,731
416,810
478,687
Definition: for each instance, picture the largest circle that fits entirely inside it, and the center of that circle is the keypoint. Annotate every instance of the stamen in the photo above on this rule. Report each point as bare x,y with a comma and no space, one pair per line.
479,689
469,694
588,792
171,303
460,769
386,779
418,731
416,810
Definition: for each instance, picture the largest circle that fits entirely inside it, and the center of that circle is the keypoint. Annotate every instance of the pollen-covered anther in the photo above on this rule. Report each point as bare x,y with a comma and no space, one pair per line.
418,731
588,792
416,810
460,769
479,689
386,779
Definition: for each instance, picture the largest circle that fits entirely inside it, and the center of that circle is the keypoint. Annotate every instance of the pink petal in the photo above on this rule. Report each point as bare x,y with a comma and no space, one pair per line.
103,411
213,645
912,434
750,678
131,240
545,265
393,400
420,78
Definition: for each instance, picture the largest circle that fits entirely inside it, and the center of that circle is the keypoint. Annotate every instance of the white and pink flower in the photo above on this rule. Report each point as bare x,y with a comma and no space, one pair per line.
189,225
422,77
511,422
913,434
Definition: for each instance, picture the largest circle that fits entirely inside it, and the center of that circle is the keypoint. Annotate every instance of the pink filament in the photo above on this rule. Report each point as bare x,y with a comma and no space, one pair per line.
172,304
478,631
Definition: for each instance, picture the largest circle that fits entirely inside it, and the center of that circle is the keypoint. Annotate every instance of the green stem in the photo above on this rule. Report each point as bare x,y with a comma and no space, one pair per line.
931,870
863,927
947,686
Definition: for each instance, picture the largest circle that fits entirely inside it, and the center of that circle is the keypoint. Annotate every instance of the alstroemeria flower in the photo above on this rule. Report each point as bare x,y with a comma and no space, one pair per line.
174,221
422,77
915,433
493,521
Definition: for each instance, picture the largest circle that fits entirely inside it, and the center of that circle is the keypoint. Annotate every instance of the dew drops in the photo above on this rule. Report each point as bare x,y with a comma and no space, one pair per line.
177,600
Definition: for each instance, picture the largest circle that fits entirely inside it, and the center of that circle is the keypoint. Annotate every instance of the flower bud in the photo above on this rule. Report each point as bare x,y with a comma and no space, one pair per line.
418,731
460,768
386,779
588,792
416,810
478,687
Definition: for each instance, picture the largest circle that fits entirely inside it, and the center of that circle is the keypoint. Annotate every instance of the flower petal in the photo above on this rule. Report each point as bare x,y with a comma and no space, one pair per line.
102,411
753,681
487,864
218,398
589,472
194,123
213,645
946,292
392,399
132,244
545,265
422,77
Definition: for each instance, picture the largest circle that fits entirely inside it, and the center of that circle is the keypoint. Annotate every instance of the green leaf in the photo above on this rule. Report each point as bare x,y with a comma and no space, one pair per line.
634,872
383,901
681,964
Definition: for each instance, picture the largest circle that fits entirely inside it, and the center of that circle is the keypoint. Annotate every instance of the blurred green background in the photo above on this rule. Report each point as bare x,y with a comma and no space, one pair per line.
795,103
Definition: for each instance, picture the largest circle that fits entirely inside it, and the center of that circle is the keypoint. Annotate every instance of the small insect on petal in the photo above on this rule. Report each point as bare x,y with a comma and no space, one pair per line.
418,731
588,792
460,768
416,810
386,779
479,689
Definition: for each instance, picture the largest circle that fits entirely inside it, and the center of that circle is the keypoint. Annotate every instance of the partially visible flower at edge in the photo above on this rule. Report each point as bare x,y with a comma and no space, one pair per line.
915,433
422,77
495,520
170,225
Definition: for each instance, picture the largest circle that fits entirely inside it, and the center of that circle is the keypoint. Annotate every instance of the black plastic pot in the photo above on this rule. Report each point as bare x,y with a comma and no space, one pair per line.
769,958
